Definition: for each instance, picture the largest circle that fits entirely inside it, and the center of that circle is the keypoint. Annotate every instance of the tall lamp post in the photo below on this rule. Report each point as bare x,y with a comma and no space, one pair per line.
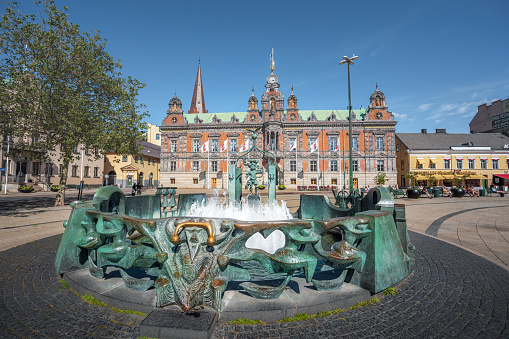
349,61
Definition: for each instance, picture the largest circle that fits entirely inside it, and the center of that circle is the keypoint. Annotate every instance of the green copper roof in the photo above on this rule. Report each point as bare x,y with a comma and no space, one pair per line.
321,115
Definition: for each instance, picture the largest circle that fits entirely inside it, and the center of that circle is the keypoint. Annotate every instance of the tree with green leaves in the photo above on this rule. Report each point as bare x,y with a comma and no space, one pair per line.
380,178
61,87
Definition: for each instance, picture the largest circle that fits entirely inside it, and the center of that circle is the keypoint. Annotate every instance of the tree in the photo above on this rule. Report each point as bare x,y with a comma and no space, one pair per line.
63,87
380,178
412,177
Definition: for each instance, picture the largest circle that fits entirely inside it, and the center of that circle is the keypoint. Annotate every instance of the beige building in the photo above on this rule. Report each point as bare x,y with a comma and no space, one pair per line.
126,170
42,169
482,158
153,134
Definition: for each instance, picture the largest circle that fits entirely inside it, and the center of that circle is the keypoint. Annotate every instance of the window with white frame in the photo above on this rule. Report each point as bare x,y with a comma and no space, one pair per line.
196,166
459,163
195,181
87,172
173,166
484,163
447,163
214,145
173,145
293,181
313,181
293,165
355,143
380,165
432,165
333,165
234,147
355,166
471,163
313,167
213,166
196,145
96,172
333,143
494,163
379,143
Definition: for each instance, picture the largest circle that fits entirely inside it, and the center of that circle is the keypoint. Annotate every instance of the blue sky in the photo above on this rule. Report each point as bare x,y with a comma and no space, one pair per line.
435,61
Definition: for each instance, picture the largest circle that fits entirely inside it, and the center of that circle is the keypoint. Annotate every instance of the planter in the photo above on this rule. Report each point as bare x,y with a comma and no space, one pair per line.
53,189
25,191
458,192
413,193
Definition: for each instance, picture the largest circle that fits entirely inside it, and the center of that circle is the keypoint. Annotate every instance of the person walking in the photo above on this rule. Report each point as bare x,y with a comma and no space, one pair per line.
133,192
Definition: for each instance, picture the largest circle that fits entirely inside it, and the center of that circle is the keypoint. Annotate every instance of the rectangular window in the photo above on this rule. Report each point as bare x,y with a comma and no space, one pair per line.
397,147
213,166
136,159
87,172
333,165
379,143
471,163
293,181
74,172
195,181
196,145
272,144
334,181
234,147
124,158
173,166
355,166
313,166
333,142
36,168
196,166
141,160
420,166
402,165
214,145
87,151
447,163
313,181
355,143
292,142
293,166
484,164
172,180
75,150
158,136
459,163
432,165
148,161
96,172
380,165
173,145
311,142
494,162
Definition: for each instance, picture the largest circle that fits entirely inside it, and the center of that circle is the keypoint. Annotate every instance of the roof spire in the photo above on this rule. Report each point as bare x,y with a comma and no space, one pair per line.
198,99
377,85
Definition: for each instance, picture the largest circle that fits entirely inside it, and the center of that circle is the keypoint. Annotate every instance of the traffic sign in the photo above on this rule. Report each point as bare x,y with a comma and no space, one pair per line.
2,169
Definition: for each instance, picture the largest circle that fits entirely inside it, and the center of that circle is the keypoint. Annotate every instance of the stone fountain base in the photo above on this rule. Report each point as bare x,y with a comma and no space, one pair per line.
298,297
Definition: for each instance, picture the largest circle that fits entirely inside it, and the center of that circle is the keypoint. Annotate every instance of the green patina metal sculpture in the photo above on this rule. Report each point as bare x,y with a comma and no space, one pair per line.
191,260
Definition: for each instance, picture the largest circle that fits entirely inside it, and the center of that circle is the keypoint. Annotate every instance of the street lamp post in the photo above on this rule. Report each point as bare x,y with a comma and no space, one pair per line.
349,61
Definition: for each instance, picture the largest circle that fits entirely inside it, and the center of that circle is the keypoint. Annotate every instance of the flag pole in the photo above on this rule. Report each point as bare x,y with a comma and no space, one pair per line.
208,166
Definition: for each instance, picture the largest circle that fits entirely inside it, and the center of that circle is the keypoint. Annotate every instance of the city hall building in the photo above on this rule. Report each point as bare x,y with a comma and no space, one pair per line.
310,146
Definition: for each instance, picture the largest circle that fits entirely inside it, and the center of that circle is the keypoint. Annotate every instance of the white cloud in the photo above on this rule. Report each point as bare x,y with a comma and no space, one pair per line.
397,115
425,107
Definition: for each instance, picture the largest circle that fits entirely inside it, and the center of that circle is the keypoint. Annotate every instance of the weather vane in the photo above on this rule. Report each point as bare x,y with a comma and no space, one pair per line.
272,60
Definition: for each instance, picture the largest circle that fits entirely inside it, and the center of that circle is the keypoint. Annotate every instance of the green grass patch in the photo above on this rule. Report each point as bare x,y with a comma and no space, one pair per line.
323,314
390,291
91,300
64,284
240,321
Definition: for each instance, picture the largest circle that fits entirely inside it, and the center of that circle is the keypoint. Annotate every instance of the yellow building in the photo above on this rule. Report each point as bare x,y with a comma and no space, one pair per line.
480,159
153,134
126,170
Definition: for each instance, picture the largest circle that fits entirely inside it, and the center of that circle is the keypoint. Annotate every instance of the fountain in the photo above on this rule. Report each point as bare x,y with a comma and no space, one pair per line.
191,252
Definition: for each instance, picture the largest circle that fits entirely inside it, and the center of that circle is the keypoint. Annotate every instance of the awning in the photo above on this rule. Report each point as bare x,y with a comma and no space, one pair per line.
477,176
439,177
420,177
448,176
505,176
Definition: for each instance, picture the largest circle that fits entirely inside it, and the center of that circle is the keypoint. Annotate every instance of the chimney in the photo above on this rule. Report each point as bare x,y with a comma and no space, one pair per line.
424,131
440,130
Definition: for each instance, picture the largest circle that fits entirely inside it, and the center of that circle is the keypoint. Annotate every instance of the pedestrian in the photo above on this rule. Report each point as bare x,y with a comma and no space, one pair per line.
133,192
138,188
425,191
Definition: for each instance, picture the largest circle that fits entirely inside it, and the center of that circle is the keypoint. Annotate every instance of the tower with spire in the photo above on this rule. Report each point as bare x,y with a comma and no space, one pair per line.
198,99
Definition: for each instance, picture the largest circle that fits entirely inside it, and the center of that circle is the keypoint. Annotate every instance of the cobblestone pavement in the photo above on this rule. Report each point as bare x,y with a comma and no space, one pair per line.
453,293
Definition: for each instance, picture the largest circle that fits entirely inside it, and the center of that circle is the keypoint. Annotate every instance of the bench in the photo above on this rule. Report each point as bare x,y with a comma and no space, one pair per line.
397,193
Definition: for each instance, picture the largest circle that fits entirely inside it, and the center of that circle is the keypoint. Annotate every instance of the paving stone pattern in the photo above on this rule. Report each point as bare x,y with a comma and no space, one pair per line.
453,293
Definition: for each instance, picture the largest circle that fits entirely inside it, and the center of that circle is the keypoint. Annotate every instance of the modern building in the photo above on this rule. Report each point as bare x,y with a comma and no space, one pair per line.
142,167
310,146
480,158
153,134
492,118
